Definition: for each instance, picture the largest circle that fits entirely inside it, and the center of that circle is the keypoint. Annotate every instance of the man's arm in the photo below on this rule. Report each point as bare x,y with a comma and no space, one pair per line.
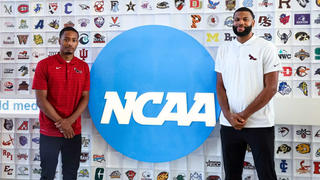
65,123
47,108
269,90
234,119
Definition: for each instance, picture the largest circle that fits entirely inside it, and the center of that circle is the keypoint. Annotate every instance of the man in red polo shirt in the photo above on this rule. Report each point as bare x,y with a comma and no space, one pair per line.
62,83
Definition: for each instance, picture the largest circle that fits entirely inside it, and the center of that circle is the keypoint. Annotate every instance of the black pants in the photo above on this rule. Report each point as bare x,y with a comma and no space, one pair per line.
70,154
234,145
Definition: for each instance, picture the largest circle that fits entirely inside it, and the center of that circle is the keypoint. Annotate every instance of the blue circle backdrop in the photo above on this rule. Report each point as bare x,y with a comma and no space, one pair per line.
147,59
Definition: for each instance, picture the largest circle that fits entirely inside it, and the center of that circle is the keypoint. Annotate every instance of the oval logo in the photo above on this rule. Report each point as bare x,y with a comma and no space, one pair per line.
23,8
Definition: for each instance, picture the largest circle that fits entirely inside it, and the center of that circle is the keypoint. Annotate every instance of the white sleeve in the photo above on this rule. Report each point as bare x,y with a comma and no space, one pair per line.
217,63
271,60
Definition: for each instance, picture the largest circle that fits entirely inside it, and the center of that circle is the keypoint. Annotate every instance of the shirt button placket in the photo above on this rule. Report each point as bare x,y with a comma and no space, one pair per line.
68,71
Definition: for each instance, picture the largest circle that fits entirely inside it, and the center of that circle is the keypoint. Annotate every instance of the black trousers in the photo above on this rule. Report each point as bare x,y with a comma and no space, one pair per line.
234,145
70,154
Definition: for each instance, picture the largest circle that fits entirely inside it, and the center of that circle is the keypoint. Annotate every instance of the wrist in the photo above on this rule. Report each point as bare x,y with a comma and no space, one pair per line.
244,115
59,120
68,121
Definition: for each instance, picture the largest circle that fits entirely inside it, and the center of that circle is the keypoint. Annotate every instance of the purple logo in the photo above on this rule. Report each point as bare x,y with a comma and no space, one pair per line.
301,19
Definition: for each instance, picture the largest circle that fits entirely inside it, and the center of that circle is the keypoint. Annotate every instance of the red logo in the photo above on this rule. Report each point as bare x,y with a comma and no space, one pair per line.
98,6
114,20
23,126
284,19
130,174
9,86
23,8
286,71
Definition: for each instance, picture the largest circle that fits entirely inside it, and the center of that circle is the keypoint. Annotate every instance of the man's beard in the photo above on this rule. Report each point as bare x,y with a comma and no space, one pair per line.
246,31
67,53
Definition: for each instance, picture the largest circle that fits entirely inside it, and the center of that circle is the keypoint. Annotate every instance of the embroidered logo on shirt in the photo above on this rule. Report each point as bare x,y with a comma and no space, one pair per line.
58,67
252,58
77,70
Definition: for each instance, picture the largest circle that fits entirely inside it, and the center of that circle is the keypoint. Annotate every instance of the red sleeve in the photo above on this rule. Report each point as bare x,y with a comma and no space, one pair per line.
40,80
87,80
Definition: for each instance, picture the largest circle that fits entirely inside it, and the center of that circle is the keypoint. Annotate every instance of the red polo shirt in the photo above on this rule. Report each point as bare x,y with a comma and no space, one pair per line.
64,83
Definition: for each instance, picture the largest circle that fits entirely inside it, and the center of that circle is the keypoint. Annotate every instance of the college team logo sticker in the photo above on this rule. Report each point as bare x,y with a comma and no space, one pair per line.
149,99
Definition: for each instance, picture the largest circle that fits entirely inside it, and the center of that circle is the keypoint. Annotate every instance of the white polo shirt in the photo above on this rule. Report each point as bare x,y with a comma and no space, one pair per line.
242,67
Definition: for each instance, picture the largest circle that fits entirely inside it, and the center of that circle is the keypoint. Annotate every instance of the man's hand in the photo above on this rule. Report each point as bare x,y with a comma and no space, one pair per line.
65,127
236,121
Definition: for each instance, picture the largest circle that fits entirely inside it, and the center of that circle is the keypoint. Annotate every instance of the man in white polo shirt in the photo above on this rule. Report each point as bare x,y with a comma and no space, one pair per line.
247,78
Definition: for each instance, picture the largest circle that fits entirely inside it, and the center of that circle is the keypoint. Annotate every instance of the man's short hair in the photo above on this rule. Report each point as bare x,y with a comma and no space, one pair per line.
67,29
244,9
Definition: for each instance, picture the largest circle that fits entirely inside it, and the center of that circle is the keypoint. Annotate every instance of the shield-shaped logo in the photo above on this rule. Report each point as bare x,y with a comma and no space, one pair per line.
98,6
284,19
179,4
53,7
230,4
8,123
9,53
99,21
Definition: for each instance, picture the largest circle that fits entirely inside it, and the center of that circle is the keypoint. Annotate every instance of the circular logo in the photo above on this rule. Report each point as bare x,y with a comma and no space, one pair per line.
228,21
8,85
84,38
153,95
212,20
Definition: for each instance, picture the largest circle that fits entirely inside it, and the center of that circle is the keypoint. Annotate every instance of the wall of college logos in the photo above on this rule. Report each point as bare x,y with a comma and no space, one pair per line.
29,33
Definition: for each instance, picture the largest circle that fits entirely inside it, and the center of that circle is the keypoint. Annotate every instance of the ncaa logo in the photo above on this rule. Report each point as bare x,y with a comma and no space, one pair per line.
153,93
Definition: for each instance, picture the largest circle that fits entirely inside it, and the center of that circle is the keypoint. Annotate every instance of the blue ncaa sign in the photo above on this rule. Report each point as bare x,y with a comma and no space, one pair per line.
153,93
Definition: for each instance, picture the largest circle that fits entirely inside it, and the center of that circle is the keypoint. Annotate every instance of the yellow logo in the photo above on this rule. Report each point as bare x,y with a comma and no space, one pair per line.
303,148
213,37
37,39
162,176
